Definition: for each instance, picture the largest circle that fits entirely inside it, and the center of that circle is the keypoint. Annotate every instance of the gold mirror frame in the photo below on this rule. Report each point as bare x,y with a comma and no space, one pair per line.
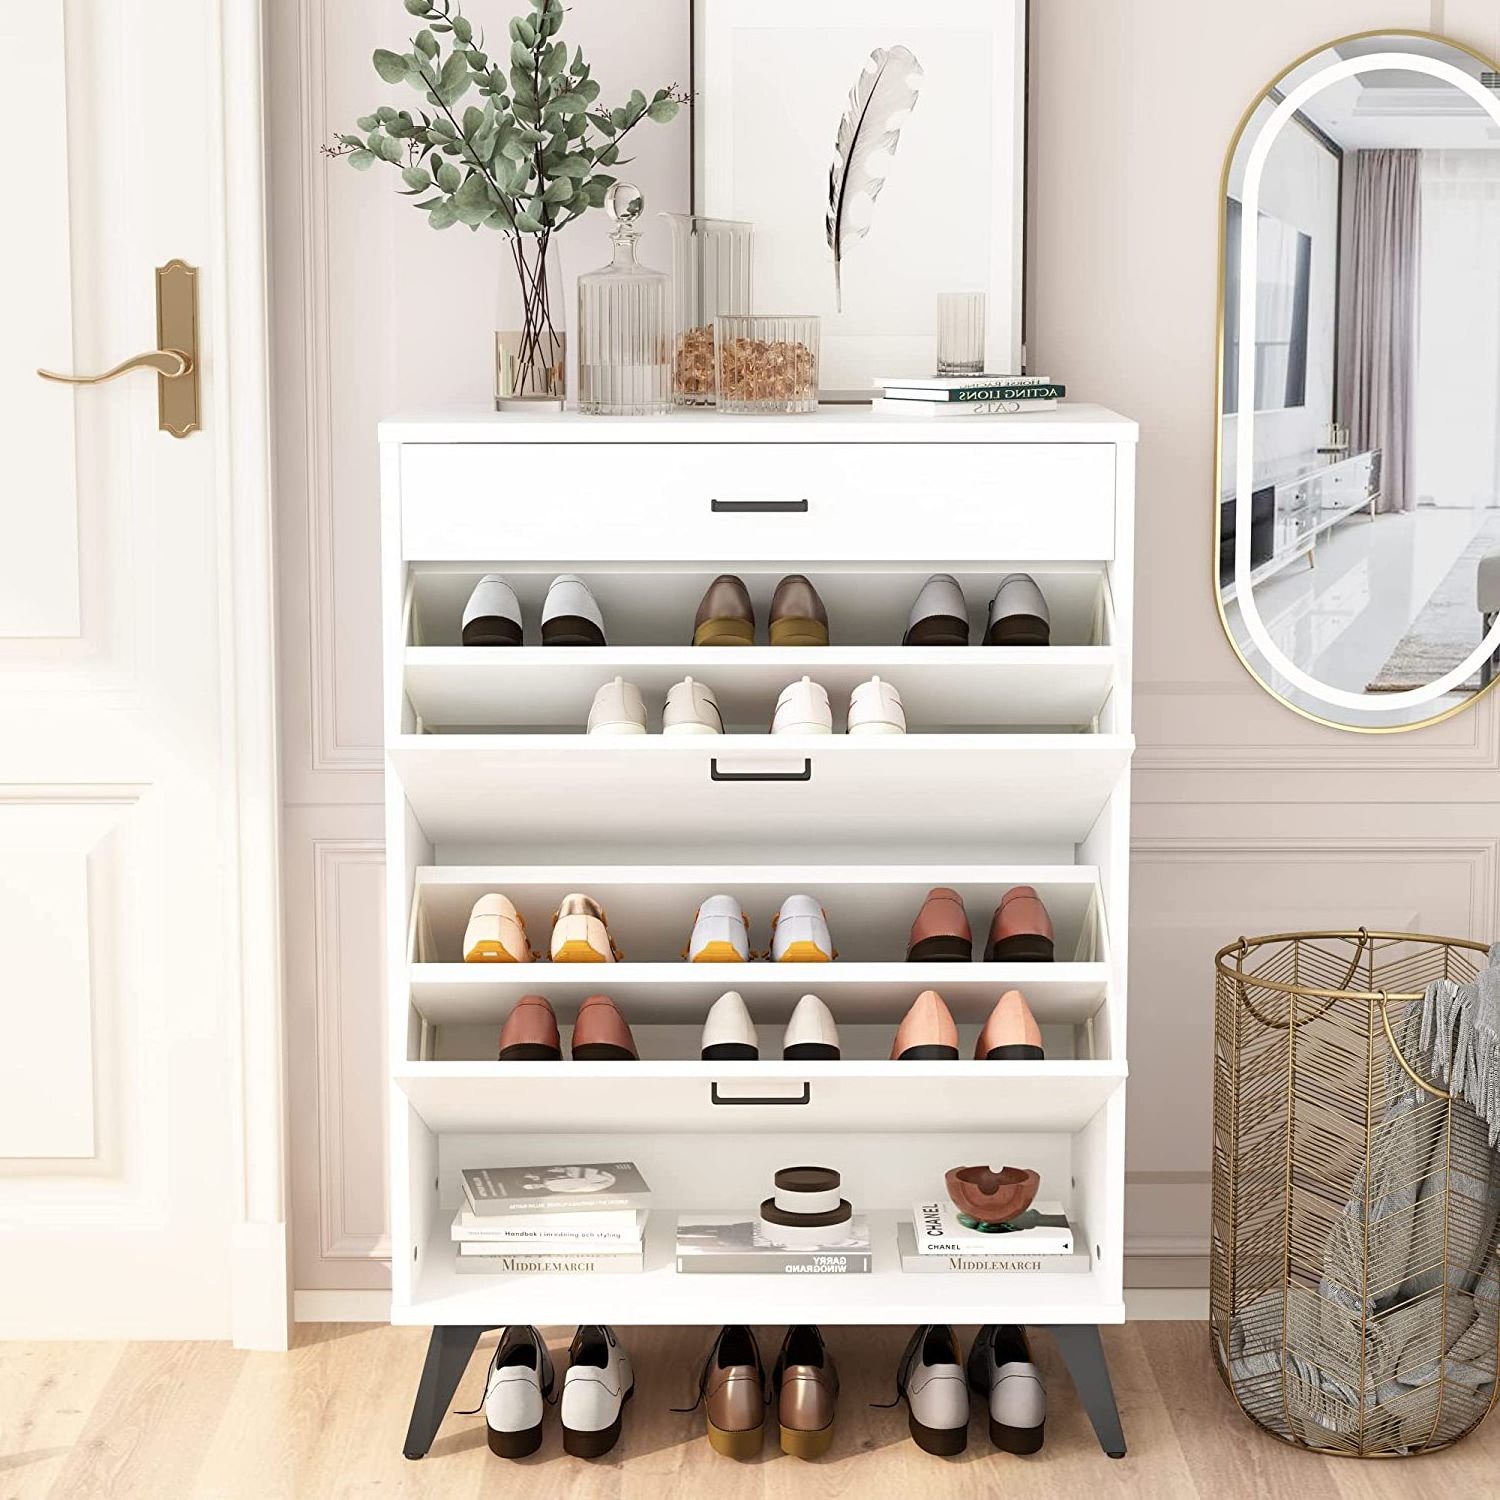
1396,34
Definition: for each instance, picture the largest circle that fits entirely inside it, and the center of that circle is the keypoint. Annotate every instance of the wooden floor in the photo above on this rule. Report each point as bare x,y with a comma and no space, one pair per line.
204,1422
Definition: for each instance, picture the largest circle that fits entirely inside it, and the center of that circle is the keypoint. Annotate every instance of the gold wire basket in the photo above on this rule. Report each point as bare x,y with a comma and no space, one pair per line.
1354,1301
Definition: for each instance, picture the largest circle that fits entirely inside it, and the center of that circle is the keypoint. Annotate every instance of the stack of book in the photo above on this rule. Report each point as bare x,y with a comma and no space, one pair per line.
565,1219
1040,1241
968,395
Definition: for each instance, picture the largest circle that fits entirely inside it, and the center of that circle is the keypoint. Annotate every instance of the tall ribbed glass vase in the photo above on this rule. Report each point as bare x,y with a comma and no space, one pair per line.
531,351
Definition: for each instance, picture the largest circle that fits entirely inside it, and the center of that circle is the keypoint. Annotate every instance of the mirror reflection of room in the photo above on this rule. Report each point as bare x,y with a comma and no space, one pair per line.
1375,510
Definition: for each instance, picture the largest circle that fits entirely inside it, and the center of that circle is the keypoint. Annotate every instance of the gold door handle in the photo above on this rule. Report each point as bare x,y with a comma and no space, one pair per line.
175,359
172,364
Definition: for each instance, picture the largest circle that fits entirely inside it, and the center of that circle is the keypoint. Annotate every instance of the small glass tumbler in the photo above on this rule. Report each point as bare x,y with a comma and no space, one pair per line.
960,333
767,362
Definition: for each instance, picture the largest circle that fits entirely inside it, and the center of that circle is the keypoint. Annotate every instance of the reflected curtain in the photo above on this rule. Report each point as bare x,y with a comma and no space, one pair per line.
1378,313
1457,458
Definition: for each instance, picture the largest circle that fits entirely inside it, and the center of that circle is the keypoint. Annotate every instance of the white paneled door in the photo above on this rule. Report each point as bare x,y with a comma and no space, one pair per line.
140,1175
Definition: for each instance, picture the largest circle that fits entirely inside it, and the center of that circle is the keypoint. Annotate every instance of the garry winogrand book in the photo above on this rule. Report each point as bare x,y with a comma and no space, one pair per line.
1042,1230
547,1232
922,410
508,1263
571,1188
971,1264
737,1244
970,395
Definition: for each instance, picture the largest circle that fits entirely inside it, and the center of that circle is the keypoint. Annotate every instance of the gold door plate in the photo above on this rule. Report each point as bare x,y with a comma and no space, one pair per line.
177,328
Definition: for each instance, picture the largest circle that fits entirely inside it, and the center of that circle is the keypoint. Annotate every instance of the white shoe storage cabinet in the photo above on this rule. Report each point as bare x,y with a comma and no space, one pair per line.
1016,770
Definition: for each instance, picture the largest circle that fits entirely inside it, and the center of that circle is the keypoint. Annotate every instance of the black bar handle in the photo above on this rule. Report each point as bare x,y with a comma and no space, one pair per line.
716,1098
746,507
715,774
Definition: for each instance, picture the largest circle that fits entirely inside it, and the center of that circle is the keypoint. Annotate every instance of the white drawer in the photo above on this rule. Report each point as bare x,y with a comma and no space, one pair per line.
758,502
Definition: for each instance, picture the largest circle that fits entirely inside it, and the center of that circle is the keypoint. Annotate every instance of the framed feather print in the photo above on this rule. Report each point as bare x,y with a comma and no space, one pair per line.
878,146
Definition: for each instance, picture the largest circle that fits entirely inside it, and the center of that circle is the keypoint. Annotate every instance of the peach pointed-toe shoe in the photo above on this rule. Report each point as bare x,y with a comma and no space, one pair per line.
1011,1033
601,1033
1021,931
530,1032
927,1031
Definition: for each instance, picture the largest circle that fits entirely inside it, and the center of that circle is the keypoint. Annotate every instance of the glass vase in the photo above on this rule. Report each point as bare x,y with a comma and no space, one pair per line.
712,262
768,363
531,351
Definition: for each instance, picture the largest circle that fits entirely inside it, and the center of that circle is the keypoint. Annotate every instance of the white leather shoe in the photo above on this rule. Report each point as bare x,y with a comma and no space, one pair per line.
492,617
618,709
800,933
1001,1373
516,1391
691,709
811,1032
599,1382
496,934
720,933
931,1379
580,933
1019,614
940,617
729,1031
875,708
571,617
803,708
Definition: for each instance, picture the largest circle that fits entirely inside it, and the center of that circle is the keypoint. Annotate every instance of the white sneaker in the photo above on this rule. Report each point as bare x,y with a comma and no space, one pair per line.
492,617
599,1382
721,934
729,1031
875,708
571,617
691,709
799,935
516,1391
1002,1374
811,1032
803,708
931,1379
580,933
496,933
618,709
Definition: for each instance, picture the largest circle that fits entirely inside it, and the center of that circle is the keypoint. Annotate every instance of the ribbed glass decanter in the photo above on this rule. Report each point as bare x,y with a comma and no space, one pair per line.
624,324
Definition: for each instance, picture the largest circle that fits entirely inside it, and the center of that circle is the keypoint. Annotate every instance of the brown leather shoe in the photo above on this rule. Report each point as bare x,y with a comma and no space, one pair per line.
1011,1033
726,617
530,1032
600,1034
797,614
733,1390
807,1387
1022,931
941,932
926,1031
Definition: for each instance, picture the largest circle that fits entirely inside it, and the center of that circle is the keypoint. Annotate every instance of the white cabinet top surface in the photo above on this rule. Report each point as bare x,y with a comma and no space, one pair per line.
1073,422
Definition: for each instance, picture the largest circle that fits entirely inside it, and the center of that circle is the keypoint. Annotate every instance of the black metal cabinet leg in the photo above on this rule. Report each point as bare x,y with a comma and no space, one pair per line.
1083,1353
448,1354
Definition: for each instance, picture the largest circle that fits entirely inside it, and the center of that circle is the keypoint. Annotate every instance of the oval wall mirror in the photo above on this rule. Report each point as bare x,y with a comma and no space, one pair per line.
1358,476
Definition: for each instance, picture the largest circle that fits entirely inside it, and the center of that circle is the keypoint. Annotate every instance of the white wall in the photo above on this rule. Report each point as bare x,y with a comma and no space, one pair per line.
1248,818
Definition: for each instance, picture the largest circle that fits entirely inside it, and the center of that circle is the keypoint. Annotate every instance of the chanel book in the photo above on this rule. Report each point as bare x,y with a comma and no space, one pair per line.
1018,1264
1041,1230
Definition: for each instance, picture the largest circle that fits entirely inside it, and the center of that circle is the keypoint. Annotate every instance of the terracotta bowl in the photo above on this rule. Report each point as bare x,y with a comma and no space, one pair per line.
992,1197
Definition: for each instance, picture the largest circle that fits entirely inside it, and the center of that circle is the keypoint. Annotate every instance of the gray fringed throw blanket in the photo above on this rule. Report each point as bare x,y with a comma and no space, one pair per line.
1364,1353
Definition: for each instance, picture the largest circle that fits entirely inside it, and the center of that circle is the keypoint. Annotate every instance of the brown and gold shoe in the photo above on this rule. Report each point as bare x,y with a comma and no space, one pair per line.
1011,1033
580,933
1021,932
530,1032
927,1031
797,614
601,1033
806,1386
725,617
732,1388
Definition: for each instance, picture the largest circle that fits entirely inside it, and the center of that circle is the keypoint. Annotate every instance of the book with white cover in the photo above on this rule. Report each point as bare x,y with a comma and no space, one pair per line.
740,1244
1042,1230
508,1263
921,410
561,1248
566,1188
546,1232
1025,1264
956,382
